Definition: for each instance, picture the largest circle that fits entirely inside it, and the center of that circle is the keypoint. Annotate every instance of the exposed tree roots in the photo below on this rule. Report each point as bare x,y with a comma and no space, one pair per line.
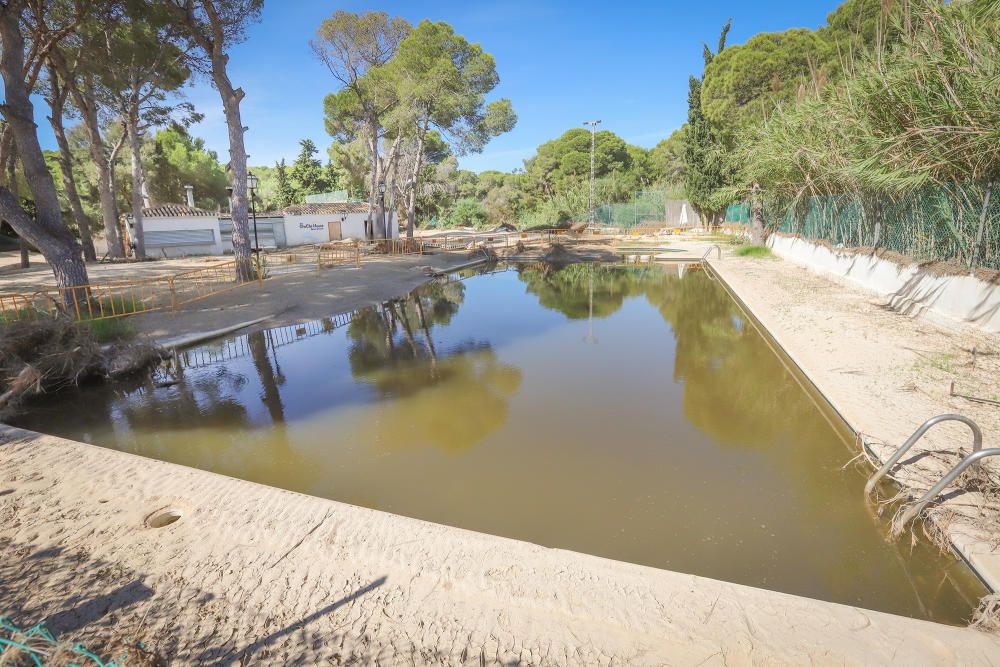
50,354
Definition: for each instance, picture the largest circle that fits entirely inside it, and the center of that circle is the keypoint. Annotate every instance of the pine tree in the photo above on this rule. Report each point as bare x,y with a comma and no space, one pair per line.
285,192
307,174
703,152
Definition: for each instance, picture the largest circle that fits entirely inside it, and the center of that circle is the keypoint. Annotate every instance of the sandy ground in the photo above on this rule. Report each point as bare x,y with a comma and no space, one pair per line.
299,297
256,575
13,278
887,373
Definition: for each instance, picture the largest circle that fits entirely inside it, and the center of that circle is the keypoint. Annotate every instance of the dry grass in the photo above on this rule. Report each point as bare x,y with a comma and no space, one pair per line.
36,645
54,353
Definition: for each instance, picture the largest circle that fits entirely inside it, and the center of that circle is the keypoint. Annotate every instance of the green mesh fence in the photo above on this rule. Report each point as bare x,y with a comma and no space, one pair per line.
935,223
645,209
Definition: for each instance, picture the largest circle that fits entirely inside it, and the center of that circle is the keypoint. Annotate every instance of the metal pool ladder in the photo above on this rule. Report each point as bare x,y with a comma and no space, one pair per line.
978,453
708,252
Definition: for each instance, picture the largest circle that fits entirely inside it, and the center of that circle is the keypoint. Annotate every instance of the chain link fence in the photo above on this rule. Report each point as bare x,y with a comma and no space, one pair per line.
649,208
958,223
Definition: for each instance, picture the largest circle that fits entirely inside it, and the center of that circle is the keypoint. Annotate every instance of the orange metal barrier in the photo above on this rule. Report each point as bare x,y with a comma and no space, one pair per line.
100,301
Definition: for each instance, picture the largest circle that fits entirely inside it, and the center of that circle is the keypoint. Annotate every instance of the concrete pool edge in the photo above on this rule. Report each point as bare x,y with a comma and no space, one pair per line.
263,553
983,562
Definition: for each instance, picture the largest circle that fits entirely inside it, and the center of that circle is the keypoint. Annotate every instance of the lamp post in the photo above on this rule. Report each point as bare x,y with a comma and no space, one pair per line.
590,337
381,192
252,186
593,143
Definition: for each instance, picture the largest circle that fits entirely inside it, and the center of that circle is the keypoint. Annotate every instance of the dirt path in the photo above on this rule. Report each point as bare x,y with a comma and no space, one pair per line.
299,297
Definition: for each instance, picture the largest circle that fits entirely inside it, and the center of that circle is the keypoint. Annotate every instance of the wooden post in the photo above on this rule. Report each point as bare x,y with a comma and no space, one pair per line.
173,293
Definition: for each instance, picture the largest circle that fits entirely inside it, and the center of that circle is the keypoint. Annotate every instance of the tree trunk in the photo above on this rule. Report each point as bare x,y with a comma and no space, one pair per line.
135,144
66,167
15,191
378,178
87,105
237,164
373,193
411,202
756,217
47,232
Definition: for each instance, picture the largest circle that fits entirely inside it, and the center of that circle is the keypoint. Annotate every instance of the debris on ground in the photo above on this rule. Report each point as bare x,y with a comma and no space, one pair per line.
517,249
51,354
483,250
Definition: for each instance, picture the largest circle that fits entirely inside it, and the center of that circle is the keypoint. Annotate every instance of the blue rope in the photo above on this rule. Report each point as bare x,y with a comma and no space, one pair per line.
40,631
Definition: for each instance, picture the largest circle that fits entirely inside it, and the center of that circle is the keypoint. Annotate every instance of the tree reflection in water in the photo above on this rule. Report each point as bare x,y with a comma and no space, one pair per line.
451,399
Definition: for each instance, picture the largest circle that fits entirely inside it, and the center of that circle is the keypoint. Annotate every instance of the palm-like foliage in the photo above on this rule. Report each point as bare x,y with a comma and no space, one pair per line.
922,115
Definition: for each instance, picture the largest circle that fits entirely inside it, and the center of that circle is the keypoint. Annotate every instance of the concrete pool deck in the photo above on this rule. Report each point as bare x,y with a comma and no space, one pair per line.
253,574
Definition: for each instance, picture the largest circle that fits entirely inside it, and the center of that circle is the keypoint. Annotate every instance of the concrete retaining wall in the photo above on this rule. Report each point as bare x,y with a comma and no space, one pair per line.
946,300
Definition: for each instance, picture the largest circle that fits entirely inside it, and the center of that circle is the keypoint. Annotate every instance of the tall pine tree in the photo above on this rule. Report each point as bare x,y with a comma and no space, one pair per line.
703,152
285,195
307,174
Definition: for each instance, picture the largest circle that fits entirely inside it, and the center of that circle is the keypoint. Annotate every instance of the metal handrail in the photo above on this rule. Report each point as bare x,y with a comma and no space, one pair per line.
709,252
977,444
969,460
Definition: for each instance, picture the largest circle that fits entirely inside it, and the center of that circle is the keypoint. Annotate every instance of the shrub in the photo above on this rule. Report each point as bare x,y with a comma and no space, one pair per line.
753,251
466,212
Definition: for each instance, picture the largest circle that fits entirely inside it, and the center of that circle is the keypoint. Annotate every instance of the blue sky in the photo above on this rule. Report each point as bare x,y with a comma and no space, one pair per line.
560,63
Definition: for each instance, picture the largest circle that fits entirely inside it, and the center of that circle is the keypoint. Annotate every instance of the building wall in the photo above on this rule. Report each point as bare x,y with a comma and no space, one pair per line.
270,233
308,229
188,235
176,228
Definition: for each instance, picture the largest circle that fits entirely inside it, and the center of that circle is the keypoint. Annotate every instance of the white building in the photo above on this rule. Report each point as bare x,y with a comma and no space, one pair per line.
174,230
320,223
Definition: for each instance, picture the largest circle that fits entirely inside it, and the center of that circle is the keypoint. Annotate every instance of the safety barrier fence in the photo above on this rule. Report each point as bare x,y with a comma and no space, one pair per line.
239,347
393,247
282,262
117,298
504,239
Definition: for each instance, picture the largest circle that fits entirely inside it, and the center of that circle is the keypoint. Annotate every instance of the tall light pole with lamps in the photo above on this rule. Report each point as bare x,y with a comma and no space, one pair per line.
385,218
252,186
593,144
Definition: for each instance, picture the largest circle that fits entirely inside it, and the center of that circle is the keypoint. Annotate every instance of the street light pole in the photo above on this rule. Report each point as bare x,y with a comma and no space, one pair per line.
252,186
593,143
385,218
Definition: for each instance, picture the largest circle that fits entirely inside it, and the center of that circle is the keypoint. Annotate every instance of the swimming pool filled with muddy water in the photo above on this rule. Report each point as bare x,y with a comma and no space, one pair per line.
634,413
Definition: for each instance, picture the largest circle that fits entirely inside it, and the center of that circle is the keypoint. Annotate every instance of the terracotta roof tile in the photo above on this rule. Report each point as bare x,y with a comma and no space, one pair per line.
175,211
338,208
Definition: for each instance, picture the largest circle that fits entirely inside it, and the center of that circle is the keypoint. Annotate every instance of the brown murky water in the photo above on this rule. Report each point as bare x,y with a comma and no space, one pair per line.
629,413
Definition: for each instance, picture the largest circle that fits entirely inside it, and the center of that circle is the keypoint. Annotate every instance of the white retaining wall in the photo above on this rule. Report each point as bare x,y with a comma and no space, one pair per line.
946,300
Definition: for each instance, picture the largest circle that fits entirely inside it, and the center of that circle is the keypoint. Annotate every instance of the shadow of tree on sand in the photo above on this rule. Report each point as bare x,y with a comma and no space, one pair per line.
113,610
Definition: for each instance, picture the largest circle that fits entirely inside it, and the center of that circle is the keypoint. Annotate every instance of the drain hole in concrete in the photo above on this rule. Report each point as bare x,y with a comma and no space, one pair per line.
163,518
